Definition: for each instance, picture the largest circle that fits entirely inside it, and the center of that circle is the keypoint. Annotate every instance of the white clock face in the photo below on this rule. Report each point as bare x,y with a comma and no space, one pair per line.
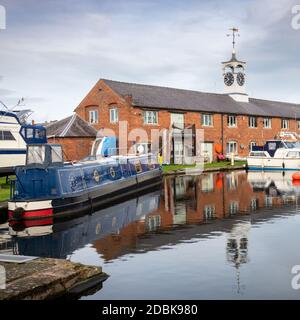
228,79
240,79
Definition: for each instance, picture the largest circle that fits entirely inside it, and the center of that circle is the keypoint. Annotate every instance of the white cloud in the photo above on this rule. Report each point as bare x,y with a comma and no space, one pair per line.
57,56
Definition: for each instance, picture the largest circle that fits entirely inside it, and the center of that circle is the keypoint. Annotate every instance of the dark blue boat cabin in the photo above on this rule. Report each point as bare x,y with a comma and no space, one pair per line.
33,134
272,145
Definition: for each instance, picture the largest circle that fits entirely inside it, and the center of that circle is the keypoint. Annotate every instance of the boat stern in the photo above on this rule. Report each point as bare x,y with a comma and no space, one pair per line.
26,210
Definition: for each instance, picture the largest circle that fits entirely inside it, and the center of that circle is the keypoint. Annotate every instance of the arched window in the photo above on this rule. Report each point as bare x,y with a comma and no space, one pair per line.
93,116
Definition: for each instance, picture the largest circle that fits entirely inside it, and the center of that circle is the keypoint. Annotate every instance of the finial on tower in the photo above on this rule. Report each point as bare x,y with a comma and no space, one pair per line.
234,34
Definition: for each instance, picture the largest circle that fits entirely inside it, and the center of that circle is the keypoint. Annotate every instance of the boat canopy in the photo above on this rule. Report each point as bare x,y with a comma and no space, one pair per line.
34,134
272,145
44,155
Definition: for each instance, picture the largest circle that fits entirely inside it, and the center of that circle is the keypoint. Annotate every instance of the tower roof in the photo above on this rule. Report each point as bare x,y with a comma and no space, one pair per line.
233,59
234,34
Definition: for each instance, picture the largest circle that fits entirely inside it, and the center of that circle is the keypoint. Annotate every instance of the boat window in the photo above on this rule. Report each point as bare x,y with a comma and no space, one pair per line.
36,155
29,133
257,154
138,167
6,135
56,154
290,145
40,133
293,154
272,145
23,132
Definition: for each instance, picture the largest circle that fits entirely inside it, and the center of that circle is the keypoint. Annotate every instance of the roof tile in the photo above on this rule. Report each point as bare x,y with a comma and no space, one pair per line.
148,96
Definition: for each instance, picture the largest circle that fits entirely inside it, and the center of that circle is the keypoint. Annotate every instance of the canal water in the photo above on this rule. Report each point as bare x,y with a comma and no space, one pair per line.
213,236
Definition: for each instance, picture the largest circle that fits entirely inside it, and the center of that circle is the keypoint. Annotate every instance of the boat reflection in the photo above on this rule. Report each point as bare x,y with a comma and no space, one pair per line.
57,238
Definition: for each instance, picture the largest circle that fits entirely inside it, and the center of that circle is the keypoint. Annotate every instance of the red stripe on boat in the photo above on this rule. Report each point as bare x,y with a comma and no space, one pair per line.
33,214
32,223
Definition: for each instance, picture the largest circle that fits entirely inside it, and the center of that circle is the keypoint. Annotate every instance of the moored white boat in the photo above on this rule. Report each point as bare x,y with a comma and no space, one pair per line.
275,155
15,135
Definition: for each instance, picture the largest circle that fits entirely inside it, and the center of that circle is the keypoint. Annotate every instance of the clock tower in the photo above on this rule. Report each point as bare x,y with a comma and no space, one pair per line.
234,74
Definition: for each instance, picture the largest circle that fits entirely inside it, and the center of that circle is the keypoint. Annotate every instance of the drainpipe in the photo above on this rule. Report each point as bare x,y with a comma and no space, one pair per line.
222,132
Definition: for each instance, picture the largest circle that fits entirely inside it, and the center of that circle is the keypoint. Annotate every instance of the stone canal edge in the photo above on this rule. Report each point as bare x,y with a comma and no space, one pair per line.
47,278
191,171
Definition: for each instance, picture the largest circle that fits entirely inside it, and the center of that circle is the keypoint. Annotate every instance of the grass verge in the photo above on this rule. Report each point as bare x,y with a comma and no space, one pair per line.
174,167
4,189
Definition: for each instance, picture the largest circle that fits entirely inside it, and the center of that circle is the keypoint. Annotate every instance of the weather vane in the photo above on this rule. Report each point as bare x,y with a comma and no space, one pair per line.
233,35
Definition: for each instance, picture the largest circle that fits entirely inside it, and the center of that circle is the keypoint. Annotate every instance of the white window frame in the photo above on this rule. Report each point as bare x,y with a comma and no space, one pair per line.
232,143
284,124
233,207
153,222
252,144
177,119
114,115
149,117
209,212
267,123
231,121
268,201
207,183
93,116
254,204
252,122
207,120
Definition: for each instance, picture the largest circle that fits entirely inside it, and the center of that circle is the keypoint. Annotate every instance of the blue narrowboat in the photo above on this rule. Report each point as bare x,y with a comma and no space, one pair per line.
46,186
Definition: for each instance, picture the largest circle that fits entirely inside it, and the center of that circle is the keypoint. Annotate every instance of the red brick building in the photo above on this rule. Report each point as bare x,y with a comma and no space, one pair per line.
231,120
74,134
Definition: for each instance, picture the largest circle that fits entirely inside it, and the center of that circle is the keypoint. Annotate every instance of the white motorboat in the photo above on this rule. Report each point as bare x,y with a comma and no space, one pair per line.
275,155
15,135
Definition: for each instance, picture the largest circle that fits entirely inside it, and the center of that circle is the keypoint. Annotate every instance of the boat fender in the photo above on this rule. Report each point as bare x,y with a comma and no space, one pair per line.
296,176
283,165
18,213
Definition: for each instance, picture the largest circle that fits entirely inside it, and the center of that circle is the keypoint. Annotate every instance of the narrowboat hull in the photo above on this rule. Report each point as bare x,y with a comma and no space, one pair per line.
86,201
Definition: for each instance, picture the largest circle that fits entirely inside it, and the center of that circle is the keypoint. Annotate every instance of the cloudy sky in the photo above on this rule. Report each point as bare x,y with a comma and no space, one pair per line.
53,52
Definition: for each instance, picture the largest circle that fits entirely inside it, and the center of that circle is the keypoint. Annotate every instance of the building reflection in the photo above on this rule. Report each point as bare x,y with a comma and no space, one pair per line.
204,199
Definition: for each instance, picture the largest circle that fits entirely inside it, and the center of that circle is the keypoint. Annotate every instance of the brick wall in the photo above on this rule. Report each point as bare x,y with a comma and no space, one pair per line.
102,98
74,148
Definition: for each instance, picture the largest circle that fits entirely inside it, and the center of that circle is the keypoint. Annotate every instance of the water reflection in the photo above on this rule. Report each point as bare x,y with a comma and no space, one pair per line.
183,200
187,209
